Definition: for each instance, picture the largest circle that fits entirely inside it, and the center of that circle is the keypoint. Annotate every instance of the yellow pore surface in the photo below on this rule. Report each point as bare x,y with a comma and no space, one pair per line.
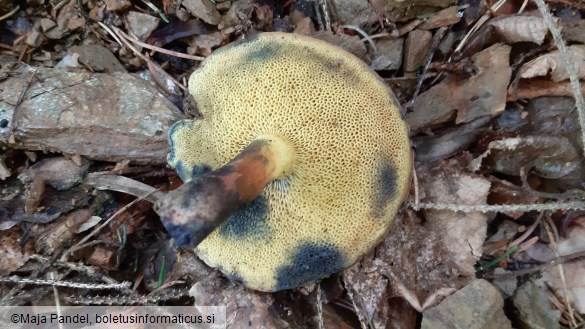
352,156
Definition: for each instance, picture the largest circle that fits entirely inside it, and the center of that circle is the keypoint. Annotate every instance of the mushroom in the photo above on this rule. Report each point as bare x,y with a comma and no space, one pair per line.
318,161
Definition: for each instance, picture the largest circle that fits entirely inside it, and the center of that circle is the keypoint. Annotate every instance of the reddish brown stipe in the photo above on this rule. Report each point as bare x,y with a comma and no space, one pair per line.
195,209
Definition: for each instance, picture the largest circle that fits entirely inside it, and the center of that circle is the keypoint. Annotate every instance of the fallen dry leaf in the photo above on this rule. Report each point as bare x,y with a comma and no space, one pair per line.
553,63
62,232
462,234
425,259
483,94
446,143
12,254
520,28
573,30
537,87
4,171
508,29
245,308
366,285
549,156
445,17
573,242
504,192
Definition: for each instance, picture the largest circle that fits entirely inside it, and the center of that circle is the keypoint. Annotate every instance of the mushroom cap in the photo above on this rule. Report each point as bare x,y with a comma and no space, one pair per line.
352,160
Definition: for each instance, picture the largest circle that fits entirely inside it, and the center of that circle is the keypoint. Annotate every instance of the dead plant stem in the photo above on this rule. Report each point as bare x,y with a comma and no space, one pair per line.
99,228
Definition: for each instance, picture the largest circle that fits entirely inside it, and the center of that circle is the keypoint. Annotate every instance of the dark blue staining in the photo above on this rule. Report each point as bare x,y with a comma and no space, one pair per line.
182,171
311,261
174,128
249,221
262,54
385,188
187,235
182,237
234,277
199,170
187,173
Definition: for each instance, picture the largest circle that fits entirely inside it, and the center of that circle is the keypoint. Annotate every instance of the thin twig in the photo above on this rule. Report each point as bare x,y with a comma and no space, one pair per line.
146,59
524,4
10,13
131,300
21,96
99,228
161,50
155,8
363,34
528,244
570,205
477,26
52,276
66,284
434,45
537,268
325,10
529,231
88,270
319,306
24,52
553,240
416,189
114,35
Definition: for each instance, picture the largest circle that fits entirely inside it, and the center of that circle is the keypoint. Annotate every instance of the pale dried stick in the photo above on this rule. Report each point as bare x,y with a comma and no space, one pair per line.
553,239
10,13
65,284
529,231
363,34
477,26
416,189
523,7
87,270
147,60
131,300
323,4
573,205
123,42
99,228
160,50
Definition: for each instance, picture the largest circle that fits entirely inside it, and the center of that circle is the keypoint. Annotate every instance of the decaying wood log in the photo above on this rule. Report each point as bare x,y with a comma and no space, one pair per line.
111,117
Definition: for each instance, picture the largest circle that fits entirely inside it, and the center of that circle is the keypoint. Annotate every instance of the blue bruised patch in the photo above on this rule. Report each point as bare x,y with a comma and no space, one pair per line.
385,190
187,234
187,174
250,221
181,235
234,277
199,170
176,126
260,54
263,54
311,261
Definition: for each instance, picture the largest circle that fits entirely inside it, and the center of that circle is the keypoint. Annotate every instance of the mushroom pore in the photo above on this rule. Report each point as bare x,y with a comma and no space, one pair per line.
297,166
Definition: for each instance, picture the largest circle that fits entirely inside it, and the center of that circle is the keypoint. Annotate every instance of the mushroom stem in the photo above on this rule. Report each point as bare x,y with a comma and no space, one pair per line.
192,211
